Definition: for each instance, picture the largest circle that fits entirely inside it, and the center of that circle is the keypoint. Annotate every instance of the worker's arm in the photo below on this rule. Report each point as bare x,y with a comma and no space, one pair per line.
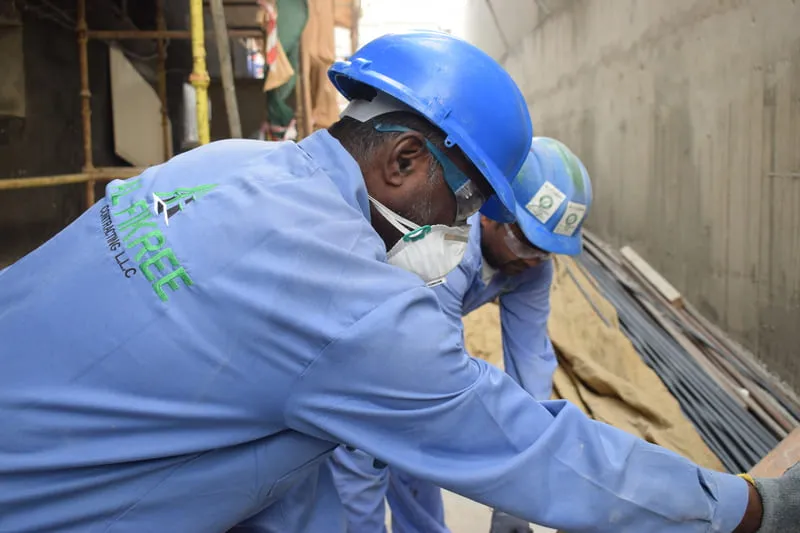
528,354
396,385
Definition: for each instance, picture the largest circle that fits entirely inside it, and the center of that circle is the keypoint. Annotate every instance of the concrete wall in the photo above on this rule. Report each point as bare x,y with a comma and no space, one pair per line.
687,115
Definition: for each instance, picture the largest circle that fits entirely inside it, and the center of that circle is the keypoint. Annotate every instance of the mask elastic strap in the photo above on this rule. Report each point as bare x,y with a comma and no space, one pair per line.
403,225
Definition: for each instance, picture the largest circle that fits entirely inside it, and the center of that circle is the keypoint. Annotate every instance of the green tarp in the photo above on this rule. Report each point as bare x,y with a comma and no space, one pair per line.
292,18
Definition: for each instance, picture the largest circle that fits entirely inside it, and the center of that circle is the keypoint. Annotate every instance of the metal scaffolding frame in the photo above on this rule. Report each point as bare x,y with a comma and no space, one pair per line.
199,78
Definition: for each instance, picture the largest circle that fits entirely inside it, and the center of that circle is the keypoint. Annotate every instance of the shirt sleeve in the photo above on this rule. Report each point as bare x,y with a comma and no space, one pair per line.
528,354
362,486
397,385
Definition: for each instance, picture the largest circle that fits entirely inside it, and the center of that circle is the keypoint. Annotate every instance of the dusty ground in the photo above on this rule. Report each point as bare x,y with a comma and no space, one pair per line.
482,334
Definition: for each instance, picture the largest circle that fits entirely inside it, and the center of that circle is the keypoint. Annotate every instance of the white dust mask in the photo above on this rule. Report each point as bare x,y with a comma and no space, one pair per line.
430,252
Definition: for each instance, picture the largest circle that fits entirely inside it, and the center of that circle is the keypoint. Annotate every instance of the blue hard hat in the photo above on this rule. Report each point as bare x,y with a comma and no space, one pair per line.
457,87
553,197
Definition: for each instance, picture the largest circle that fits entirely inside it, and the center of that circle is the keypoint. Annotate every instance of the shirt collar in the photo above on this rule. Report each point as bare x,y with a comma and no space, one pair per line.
327,153
487,272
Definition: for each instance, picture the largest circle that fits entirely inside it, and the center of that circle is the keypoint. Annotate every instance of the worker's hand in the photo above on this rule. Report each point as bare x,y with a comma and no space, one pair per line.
780,498
505,523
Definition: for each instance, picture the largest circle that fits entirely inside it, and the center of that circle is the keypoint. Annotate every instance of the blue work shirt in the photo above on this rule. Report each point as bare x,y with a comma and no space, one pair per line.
528,357
528,354
192,347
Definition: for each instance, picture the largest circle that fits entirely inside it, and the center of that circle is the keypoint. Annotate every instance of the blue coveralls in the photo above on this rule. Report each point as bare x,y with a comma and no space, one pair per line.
528,357
193,347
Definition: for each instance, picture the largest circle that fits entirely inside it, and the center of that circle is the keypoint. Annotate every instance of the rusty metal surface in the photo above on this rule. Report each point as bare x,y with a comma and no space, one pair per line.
161,23
97,174
86,100
166,34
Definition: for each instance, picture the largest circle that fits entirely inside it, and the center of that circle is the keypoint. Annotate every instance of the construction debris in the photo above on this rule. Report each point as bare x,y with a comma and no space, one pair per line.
741,411
599,371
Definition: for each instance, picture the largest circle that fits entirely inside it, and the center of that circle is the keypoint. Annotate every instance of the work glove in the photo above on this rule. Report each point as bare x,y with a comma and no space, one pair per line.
781,500
505,523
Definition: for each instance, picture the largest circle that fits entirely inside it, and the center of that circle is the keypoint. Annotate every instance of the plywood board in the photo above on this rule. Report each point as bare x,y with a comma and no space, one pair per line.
137,114
785,454
656,280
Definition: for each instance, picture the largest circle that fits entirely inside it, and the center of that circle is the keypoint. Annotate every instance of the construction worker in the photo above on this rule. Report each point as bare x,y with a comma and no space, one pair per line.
511,261
192,348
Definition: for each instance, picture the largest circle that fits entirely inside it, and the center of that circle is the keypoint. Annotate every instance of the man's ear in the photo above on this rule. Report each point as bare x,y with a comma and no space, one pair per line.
406,156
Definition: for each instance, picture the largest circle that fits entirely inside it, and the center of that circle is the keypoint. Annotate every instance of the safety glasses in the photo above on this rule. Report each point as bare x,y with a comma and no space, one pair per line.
469,198
523,250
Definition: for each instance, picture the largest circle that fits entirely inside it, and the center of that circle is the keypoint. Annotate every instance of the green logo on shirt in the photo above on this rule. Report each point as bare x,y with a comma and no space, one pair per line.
141,237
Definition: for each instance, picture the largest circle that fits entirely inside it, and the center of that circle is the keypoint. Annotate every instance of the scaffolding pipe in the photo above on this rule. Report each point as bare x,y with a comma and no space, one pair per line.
98,174
299,112
86,95
303,78
166,34
43,181
161,24
226,68
199,77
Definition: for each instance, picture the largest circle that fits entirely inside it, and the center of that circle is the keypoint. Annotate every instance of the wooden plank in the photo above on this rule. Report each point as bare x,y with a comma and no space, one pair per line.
760,403
744,356
236,15
670,293
721,379
226,68
785,454
136,114
304,79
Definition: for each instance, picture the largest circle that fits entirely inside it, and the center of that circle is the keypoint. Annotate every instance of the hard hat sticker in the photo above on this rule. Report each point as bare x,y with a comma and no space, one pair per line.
572,217
545,202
